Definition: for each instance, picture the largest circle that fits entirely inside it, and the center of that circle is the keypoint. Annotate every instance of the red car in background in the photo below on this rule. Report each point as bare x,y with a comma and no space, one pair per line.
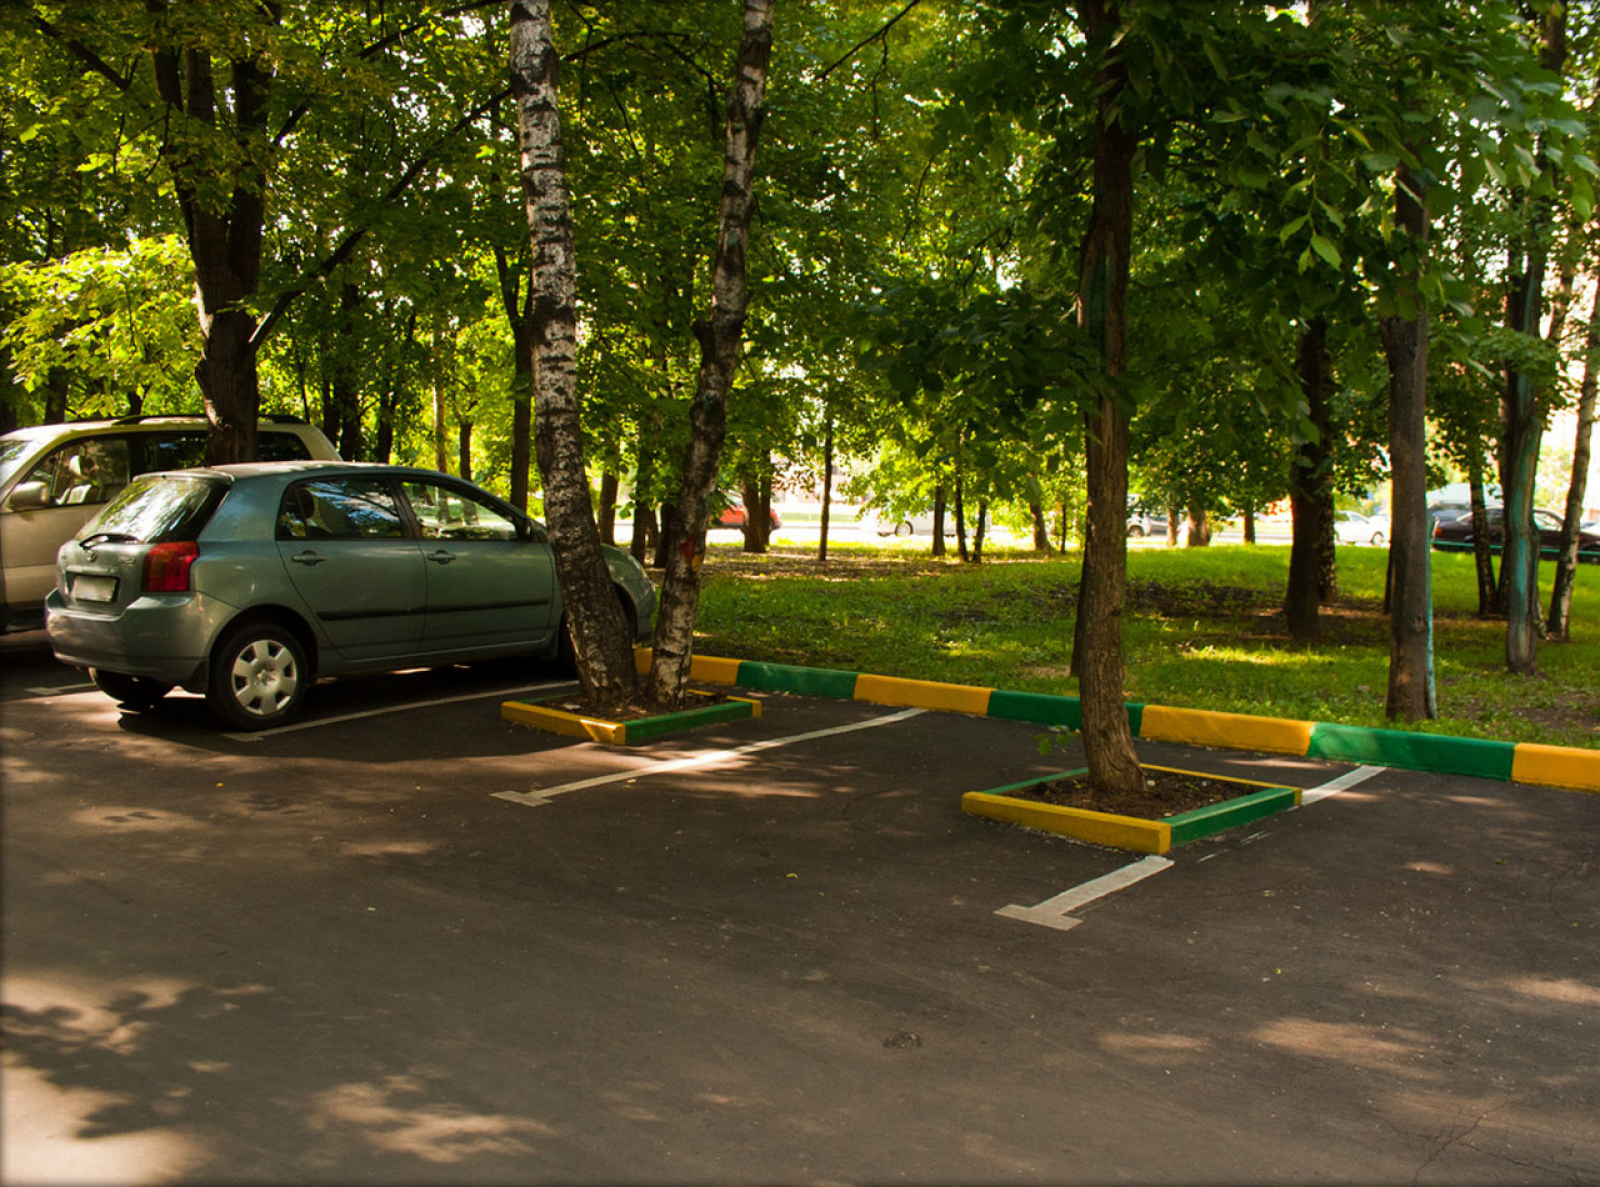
733,515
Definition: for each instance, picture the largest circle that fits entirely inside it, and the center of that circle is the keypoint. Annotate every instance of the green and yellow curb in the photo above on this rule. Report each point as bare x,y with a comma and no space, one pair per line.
1129,832
1520,762
624,733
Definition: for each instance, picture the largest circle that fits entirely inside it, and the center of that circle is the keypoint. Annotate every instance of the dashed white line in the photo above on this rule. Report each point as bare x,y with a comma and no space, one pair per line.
1053,911
1334,786
540,796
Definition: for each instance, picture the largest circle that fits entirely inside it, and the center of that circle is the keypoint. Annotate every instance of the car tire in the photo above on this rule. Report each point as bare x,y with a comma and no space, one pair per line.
131,692
259,676
1378,540
903,528
1135,532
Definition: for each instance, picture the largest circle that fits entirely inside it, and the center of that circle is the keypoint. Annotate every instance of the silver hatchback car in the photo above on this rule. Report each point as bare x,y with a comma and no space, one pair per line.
246,583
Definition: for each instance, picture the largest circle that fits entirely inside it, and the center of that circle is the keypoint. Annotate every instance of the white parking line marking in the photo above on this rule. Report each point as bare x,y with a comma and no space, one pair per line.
1053,911
1342,783
258,735
540,796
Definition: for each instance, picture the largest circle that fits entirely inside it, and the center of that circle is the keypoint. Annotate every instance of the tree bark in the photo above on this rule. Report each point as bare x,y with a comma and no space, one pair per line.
827,489
519,316
1405,341
224,242
1489,602
1577,488
1523,421
719,336
1307,478
1103,271
598,629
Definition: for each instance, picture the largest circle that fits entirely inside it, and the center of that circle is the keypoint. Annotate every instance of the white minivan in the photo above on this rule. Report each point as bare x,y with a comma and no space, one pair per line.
54,477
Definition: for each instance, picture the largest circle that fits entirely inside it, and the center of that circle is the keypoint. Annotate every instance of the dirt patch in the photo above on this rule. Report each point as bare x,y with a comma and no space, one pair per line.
1167,793
698,698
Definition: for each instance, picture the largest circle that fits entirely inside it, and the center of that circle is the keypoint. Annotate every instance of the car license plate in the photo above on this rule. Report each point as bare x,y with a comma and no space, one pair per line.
91,587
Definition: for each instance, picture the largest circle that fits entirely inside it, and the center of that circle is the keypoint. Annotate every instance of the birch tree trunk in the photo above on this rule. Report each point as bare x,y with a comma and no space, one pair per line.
719,335
1567,561
595,620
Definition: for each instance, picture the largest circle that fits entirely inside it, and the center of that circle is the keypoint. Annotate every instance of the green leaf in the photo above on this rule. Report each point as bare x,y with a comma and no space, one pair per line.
1326,250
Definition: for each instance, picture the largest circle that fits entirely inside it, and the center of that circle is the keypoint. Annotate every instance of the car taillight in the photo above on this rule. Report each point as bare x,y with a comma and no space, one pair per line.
166,567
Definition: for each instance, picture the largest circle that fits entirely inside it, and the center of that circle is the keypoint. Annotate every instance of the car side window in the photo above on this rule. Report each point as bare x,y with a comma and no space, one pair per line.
448,513
344,508
88,471
174,451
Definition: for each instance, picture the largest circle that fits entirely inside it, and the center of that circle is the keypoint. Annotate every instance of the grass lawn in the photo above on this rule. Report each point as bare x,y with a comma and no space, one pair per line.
1204,630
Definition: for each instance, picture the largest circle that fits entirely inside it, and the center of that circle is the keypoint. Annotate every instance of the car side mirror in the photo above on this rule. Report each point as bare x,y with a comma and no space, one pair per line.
29,496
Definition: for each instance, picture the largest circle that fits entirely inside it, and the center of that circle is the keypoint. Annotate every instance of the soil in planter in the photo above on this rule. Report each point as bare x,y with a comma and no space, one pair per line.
1169,793
634,710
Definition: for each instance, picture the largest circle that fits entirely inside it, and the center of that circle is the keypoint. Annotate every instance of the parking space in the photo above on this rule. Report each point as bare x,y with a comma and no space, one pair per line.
407,942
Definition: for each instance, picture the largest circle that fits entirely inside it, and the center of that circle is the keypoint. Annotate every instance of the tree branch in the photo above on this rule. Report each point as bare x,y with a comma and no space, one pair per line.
866,41
348,245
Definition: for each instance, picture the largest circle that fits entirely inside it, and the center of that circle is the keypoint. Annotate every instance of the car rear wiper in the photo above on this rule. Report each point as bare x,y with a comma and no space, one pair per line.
108,538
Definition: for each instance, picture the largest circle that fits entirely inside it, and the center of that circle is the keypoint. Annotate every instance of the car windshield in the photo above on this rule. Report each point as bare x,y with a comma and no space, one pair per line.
159,508
12,455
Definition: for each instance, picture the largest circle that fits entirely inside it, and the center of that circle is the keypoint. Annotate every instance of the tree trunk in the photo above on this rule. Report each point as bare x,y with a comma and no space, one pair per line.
1489,602
719,337
1197,528
1307,477
645,527
938,519
608,506
1524,424
1103,270
595,621
1250,525
224,237
1041,529
464,448
757,498
827,489
1567,562
519,316
1405,341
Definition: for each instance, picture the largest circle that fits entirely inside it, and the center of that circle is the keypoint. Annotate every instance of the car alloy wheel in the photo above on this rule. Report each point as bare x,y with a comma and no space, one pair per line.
258,677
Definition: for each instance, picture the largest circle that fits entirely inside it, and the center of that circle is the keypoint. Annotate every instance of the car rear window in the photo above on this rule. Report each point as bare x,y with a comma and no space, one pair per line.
159,508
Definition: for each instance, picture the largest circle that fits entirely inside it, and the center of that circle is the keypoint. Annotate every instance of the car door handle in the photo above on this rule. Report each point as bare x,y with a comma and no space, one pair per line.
308,558
441,557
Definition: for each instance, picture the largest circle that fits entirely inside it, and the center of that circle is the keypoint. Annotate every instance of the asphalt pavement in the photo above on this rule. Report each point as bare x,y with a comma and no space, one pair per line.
407,942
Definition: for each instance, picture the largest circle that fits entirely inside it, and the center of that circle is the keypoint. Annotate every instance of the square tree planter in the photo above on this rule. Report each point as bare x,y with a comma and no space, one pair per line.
1131,832
543,715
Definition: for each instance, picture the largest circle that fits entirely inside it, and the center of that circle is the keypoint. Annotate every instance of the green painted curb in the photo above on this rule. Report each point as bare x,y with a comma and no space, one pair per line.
1213,818
812,682
1040,707
1034,782
1482,757
673,723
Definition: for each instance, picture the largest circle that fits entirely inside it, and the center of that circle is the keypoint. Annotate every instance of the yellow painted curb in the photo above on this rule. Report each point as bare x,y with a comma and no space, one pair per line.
922,694
571,725
1233,731
1102,828
1556,766
709,668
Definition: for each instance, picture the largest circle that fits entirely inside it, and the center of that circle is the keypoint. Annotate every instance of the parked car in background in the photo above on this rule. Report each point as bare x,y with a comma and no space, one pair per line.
732,516
54,477
1352,527
1454,534
1143,523
247,583
885,523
